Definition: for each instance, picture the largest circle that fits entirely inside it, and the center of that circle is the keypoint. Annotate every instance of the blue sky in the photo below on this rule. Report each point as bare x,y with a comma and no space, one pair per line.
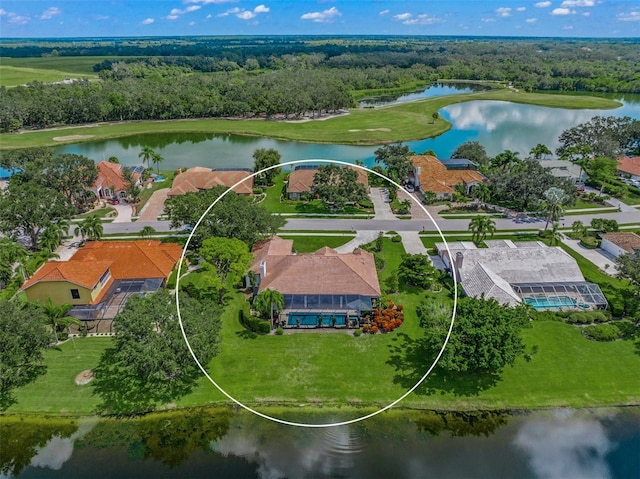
80,18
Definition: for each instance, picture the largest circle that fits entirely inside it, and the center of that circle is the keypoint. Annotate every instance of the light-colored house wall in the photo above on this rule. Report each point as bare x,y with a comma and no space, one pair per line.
60,292
611,248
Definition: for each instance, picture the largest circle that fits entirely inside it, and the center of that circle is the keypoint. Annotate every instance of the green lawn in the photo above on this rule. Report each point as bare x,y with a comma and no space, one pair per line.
13,76
309,244
77,66
402,122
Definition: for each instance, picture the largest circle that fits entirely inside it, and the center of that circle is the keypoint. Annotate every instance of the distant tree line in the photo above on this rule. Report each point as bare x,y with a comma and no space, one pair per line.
266,76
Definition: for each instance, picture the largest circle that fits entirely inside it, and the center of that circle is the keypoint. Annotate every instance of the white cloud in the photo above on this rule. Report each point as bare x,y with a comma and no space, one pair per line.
18,19
402,16
2,12
326,16
207,2
207,17
586,14
246,15
521,9
261,9
488,20
542,4
192,24
102,17
629,17
568,27
422,19
503,11
383,12
148,21
192,8
50,12
175,11
172,17
531,20
562,11
578,3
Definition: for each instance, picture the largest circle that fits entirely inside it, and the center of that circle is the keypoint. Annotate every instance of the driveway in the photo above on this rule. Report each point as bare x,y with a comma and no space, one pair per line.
362,237
412,243
380,198
597,256
154,207
125,211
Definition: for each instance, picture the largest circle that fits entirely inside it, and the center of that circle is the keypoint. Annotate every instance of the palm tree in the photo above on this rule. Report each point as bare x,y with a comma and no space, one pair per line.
481,226
56,316
481,192
157,158
555,236
146,154
578,228
434,117
90,228
505,159
269,301
539,151
553,205
53,235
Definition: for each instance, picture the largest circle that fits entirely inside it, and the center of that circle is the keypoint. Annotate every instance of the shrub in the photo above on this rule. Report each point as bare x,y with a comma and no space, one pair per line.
585,317
589,242
602,332
279,332
366,204
379,262
397,239
258,191
357,333
252,323
627,329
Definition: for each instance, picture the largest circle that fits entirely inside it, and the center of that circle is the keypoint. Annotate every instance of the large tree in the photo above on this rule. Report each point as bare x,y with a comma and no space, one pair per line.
23,336
264,158
472,150
149,362
28,208
396,158
628,266
69,174
338,185
230,257
417,270
606,136
234,216
11,252
267,302
485,336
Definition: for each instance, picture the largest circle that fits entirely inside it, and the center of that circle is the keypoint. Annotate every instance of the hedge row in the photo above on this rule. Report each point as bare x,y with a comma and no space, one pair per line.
252,323
587,317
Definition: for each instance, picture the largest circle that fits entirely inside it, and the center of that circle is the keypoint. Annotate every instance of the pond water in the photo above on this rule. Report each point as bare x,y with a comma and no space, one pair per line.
400,444
497,125
440,89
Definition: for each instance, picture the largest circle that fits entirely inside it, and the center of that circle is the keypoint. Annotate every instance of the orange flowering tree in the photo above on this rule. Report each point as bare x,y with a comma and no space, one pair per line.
385,318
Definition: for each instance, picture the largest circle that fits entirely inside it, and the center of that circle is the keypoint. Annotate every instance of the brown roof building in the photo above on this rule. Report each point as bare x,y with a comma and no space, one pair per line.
101,268
199,178
110,181
301,180
429,174
630,166
620,243
325,279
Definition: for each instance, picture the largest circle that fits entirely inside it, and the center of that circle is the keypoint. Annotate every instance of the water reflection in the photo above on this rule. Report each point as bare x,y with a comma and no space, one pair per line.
497,125
566,446
403,444
440,89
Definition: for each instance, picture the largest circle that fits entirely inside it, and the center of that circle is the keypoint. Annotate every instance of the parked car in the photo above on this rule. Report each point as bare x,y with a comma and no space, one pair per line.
113,201
580,188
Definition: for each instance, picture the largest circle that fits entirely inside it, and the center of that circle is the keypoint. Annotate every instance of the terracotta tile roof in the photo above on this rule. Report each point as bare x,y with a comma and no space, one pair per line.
434,176
110,174
322,272
301,180
76,272
629,165
630,242
132,259
199,178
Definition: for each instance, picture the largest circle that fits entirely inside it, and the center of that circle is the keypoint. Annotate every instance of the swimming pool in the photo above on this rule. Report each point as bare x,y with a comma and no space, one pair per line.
551,302
311,319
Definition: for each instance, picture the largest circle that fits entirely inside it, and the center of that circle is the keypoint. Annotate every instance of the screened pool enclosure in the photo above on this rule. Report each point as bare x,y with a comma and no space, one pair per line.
566,295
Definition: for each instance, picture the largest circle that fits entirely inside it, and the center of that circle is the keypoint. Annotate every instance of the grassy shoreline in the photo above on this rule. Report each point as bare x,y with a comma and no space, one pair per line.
403,122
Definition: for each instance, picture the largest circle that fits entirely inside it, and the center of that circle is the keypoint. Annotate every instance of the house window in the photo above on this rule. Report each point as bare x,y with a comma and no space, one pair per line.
75,294
105,277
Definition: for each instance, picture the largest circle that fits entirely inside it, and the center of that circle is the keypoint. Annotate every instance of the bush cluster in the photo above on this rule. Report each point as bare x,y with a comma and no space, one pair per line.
587,317
589,242
253,323
602,332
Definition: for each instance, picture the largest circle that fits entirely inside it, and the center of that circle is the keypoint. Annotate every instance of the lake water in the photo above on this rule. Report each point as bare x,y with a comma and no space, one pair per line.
497,125
399,444
440,89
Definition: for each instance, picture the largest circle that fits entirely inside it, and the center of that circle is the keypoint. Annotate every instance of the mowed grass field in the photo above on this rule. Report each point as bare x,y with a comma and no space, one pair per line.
403,122
336,369
13,76
76,65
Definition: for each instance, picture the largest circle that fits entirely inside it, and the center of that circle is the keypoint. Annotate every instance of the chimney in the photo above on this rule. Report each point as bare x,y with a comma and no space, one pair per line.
263,269
458,266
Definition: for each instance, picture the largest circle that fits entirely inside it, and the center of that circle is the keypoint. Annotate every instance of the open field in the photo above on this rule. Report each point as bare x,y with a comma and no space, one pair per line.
12,76
404,122
77,66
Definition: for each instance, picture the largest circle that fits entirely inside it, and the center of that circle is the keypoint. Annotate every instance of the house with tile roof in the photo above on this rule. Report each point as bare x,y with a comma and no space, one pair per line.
629,165
110,181
325,283
441,178
200,178
619,243
521,272
301,180
102,271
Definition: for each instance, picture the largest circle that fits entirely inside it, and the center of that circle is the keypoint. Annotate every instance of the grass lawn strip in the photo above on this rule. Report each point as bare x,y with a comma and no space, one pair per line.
405,122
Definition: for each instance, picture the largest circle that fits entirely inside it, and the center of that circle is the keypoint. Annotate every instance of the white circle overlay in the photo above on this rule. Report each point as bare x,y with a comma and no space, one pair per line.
293,423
